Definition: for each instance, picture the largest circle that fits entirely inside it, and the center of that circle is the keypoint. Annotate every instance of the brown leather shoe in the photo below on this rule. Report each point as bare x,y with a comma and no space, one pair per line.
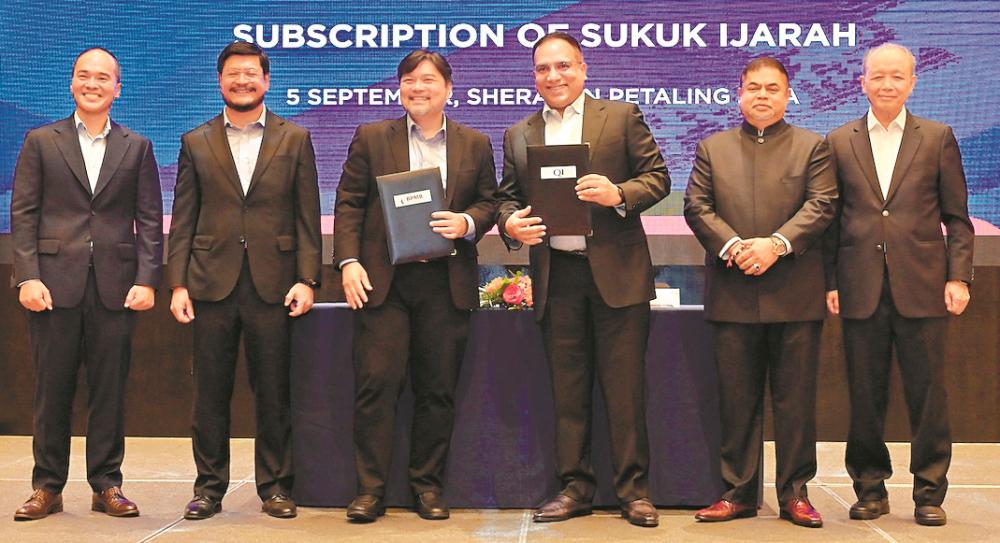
801,513
431,506
930,515
114,503
279,506
366,508
40,505
869,509
641,513
562,507
724,510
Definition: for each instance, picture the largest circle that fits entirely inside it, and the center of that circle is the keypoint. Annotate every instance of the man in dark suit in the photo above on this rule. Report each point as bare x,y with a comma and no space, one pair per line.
591,293
244,256
759,198
894,278
411,318
87,223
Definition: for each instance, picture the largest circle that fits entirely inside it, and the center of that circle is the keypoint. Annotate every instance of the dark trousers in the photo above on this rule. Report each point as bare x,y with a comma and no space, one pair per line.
58,338
418,331
920,350
265,328
584,338
748,356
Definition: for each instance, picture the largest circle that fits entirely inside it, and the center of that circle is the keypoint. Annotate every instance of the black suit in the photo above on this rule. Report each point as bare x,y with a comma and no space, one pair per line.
890,263
594,312
416,319
89,249
238,255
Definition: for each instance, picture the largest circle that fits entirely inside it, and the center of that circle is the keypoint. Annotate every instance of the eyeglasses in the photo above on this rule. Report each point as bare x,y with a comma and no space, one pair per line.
561,67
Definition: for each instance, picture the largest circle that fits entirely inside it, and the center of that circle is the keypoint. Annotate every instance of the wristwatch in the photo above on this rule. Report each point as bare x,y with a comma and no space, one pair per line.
309,282
778,246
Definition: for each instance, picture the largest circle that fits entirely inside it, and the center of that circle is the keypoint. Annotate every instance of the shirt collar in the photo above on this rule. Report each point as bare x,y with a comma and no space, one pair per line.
576,107
899,121
81,126
260,120
413,129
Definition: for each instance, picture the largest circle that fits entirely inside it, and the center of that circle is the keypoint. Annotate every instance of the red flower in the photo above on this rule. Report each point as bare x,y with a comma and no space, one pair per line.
513,294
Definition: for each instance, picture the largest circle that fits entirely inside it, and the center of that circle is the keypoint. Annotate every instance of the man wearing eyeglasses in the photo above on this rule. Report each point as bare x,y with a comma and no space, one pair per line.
759,198
591,292
244,256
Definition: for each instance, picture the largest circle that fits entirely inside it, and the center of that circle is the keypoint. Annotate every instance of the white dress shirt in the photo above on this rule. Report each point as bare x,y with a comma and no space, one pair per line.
93,149
430,152
565,129
885,146
245,146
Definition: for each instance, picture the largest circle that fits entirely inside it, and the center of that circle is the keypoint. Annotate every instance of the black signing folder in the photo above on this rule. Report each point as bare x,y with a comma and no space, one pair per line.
551,188
408,199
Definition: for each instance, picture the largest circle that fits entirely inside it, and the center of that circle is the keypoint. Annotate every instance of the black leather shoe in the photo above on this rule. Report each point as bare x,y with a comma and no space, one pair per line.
869,509
202,507
279,506
641,513
562,507
431,506
366,508
930,515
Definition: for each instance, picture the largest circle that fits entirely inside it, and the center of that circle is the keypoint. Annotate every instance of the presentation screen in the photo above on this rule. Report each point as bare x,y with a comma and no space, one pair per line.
333,67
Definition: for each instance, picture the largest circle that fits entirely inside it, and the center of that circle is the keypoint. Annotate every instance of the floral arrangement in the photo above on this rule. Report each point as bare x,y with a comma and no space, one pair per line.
512,292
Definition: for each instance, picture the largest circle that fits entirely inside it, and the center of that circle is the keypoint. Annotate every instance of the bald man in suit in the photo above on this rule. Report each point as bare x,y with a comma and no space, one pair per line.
87,223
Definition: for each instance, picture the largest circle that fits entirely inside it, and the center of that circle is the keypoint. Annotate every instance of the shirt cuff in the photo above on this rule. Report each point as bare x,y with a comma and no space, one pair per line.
470,232
345,262
788,244
724,253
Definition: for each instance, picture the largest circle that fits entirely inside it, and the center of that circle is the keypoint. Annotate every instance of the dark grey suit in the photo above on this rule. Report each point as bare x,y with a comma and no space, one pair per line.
238,255
767,326
890,263
594,313
88,248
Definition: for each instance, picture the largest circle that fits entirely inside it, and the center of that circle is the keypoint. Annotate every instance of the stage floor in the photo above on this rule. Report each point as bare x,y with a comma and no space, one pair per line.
159,472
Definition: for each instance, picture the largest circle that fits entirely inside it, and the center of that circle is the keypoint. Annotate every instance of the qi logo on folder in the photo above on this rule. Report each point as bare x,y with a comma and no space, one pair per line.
558,172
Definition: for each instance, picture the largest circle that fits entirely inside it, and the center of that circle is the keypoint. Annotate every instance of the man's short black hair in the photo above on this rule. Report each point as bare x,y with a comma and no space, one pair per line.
244,48
411,61
763,62
558,36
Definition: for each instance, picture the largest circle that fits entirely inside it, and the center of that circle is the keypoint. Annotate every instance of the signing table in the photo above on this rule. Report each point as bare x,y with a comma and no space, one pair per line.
503,449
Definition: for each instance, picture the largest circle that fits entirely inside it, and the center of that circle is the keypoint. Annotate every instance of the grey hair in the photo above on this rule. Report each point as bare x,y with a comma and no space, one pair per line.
886,47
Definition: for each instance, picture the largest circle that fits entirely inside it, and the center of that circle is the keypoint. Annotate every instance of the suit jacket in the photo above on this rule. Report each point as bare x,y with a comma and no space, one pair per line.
747,185
277,220
622,149
58,223
382,148
900,233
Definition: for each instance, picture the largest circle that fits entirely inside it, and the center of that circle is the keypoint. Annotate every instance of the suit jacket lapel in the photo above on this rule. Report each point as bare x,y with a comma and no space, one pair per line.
117,145
399,146
594,117
907,150
535,134
69,143
454,153
862,146
215,135
274,132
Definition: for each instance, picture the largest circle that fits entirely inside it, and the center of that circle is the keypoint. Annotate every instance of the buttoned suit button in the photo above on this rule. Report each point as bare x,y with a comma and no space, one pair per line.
885,212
